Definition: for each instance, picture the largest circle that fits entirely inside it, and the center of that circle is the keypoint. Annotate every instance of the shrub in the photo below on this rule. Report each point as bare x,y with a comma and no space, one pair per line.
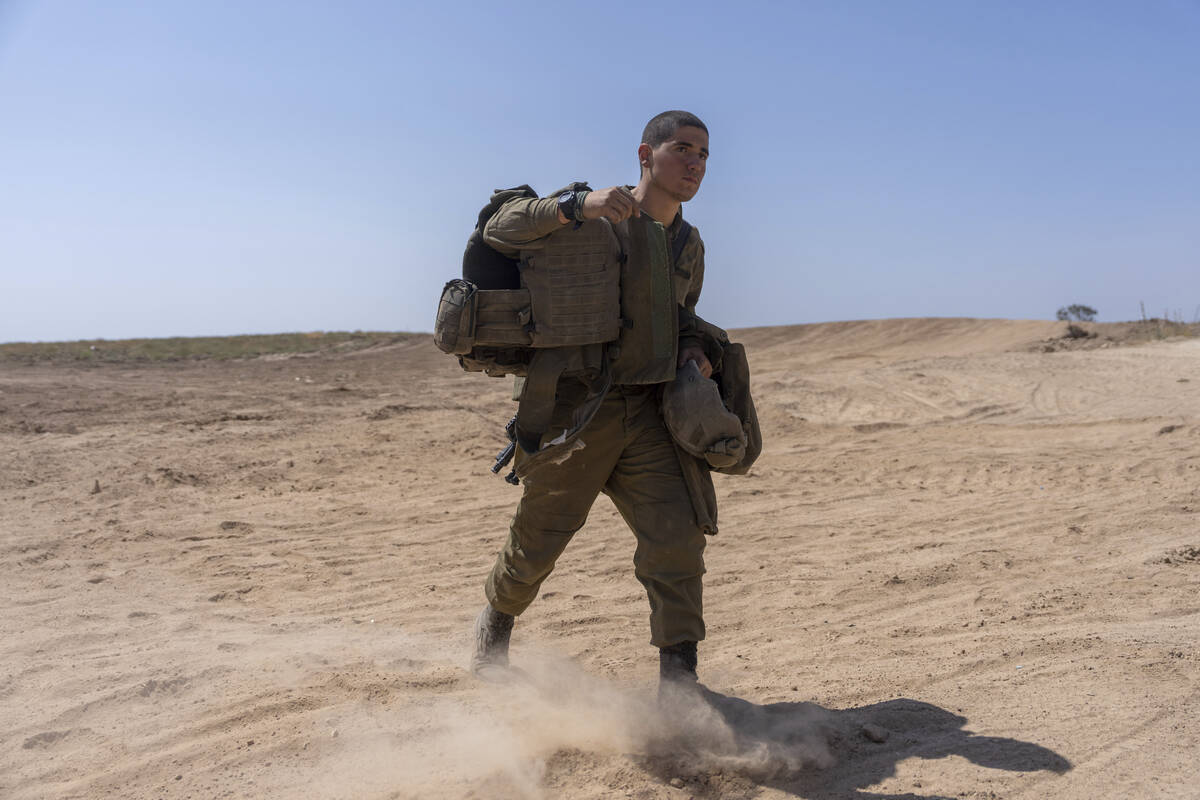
1076,332
1076,311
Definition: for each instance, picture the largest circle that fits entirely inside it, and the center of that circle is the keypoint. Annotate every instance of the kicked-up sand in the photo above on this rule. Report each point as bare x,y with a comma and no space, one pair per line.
966,566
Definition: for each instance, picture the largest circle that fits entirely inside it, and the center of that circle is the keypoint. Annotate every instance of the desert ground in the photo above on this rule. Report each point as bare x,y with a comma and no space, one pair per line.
965,566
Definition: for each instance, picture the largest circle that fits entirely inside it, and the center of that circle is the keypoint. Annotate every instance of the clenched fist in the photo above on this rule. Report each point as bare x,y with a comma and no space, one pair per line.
616,203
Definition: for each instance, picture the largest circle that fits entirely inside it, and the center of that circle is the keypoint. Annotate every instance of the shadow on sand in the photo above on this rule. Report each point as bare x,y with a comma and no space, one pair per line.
823,754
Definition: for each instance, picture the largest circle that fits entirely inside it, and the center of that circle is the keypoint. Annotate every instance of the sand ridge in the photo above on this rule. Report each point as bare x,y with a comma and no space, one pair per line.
963,567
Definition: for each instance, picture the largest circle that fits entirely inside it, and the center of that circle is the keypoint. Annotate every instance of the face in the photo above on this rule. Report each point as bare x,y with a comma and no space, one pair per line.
677,165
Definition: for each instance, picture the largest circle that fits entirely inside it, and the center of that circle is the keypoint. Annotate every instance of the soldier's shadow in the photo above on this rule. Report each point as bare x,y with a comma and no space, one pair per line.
728,747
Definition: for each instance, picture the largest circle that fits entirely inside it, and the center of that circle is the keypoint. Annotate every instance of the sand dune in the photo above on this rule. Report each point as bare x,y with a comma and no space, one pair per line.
963,567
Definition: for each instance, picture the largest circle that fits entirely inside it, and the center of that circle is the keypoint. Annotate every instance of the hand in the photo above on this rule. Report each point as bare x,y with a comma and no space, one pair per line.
696,354
615,204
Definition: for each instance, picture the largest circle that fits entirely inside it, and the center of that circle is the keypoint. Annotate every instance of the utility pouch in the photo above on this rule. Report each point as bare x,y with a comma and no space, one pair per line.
454,327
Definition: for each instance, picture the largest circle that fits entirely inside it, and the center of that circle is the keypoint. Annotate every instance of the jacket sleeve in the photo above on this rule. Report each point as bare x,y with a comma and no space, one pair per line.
518,223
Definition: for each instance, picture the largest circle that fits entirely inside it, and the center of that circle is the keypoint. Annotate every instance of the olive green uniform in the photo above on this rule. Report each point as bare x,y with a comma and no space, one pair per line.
626,452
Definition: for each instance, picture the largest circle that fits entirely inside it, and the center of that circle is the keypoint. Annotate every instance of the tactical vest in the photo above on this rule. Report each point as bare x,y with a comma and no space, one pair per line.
595,302
647,348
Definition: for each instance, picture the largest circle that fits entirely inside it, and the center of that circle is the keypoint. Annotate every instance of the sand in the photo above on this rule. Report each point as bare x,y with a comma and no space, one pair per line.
963,567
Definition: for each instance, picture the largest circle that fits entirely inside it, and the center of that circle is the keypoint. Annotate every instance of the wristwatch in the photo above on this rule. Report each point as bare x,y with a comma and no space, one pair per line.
568,204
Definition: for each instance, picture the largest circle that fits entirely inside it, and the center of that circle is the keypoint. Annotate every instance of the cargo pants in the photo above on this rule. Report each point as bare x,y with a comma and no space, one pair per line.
626,452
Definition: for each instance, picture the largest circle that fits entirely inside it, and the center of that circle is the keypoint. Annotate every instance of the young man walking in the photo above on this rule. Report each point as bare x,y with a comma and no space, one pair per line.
625,449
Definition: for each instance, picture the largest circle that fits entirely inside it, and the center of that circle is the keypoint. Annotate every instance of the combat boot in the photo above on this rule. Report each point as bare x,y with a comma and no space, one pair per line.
677,668
493,629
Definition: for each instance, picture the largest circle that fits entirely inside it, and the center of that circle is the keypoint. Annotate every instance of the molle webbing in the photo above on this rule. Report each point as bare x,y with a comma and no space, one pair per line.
573,282
469,317
574,285
502,318
646,350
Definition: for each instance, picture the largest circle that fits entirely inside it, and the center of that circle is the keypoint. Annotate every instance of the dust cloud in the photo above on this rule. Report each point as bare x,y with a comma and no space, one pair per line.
496,740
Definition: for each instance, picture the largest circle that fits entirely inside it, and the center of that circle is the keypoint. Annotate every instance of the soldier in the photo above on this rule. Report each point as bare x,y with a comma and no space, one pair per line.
625,450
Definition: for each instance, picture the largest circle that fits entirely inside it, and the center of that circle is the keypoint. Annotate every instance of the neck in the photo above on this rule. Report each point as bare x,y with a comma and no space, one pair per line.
655,202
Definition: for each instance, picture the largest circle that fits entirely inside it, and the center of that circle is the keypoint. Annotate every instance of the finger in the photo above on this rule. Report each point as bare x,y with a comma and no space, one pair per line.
619,213
635,206
621,204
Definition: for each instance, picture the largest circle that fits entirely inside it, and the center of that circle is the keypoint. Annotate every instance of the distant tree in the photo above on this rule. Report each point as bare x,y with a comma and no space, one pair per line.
1076,311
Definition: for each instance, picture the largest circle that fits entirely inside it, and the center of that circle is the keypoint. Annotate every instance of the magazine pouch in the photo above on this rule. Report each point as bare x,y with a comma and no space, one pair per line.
454,327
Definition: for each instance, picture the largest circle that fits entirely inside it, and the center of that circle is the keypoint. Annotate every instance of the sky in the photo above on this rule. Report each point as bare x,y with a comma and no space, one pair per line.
177,168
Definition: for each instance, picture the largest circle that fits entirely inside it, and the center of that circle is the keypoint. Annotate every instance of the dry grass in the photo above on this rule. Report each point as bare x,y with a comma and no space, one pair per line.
1091,335
181,348
1155,328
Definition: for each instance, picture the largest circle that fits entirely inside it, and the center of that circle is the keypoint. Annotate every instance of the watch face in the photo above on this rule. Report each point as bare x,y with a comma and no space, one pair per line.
566,204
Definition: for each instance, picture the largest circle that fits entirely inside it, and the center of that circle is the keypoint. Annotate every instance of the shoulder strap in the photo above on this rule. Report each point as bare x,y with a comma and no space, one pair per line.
685,230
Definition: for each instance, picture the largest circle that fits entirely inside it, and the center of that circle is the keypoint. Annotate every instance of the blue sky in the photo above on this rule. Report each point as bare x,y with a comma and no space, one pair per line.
184,168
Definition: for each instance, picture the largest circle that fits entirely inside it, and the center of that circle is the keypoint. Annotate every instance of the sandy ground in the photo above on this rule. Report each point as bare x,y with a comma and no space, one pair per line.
962,568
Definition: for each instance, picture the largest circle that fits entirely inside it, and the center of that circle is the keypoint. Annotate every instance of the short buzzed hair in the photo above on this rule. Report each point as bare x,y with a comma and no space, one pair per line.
663,126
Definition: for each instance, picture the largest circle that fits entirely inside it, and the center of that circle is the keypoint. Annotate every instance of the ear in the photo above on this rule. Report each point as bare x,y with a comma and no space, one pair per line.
645,154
